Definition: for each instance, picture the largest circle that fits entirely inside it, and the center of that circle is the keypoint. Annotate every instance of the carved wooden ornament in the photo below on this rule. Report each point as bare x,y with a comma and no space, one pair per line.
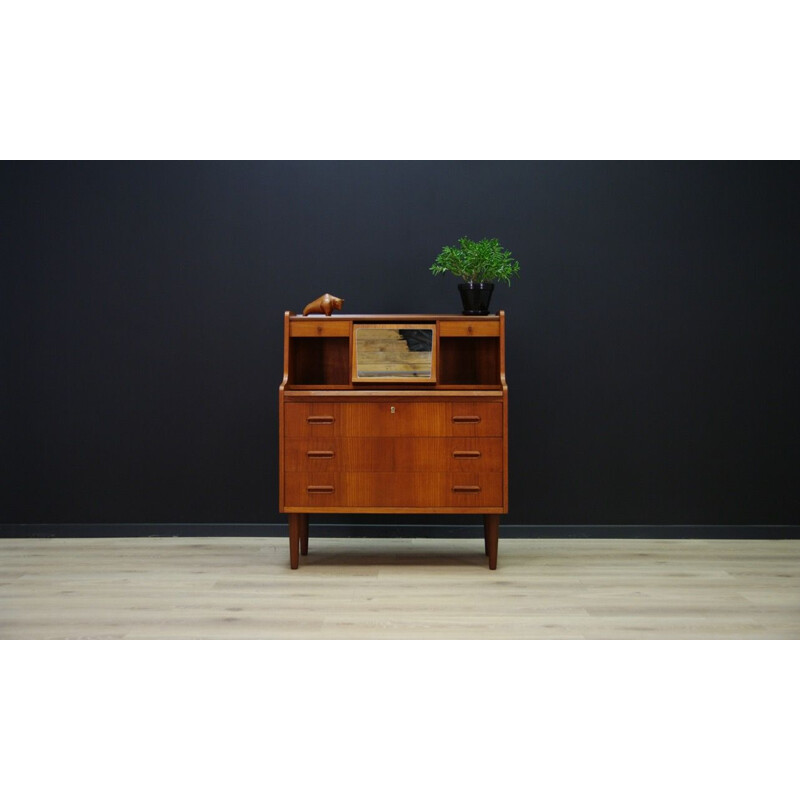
323,305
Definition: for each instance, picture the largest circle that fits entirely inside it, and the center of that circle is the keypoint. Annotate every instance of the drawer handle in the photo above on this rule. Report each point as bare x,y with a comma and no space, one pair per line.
466,488
466,419
466,454
320,453
319,420
320,489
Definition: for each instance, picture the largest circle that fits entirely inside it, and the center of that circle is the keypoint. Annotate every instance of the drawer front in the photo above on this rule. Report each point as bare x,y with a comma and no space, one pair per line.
380,454
393,490
398,418
470,328
475,419
315,420
311,327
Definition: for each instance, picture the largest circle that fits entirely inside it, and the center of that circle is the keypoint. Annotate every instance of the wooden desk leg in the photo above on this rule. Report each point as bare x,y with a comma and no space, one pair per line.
294,540
303,534
491,524
486,533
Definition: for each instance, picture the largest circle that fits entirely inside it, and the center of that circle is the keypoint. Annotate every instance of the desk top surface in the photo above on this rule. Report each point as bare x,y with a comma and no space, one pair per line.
397,317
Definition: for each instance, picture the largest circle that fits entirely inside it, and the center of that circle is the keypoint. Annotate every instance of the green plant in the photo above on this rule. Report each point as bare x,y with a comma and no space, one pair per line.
477,262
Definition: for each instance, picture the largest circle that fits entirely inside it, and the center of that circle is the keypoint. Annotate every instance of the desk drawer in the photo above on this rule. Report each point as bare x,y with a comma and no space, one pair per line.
414,490
382,454
393,418
489,327
321,327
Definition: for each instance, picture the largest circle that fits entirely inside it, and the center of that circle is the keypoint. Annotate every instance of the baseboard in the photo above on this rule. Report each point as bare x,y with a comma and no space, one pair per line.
469,531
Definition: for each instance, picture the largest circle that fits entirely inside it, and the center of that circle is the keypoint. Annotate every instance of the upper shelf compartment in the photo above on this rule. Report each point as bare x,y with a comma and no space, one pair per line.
362,353
469,352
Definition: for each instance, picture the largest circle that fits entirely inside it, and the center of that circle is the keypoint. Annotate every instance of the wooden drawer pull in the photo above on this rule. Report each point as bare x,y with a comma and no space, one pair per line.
320,453
466,488
466,419
320,489
466,453
319,420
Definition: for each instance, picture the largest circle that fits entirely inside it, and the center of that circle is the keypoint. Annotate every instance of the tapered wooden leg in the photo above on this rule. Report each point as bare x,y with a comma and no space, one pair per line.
303,534
492,528
485,534
294,540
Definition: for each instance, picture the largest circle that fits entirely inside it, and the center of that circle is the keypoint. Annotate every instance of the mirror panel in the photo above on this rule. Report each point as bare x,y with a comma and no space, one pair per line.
396,353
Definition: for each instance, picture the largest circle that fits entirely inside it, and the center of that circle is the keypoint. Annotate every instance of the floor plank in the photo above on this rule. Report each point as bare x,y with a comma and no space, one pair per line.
242,588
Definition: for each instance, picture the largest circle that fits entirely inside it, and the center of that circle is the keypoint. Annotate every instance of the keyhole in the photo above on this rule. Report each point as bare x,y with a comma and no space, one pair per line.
392,409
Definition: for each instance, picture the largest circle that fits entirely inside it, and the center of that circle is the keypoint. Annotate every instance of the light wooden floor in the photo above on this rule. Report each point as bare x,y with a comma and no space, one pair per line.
242,588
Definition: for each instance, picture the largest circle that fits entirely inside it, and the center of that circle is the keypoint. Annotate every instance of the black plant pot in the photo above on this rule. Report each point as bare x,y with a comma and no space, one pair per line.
475,298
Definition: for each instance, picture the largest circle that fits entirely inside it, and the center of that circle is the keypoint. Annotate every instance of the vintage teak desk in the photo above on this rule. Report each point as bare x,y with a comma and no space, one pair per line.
393,414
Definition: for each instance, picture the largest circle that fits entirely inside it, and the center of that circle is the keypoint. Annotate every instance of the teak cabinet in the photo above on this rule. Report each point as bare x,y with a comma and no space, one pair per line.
393,414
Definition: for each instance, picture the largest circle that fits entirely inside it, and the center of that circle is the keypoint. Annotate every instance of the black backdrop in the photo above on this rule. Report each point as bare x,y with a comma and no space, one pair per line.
653,334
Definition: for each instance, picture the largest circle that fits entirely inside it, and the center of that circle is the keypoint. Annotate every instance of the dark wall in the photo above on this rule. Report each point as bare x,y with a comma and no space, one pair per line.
653,335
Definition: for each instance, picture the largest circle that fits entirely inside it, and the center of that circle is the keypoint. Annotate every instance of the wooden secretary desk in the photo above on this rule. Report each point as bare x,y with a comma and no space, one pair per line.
393,414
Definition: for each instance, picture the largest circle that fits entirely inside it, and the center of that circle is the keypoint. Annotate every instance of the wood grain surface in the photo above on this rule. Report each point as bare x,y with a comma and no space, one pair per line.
394,417
243,588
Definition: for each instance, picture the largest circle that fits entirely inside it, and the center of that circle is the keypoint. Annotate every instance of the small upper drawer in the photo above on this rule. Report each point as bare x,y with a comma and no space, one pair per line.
319,327
488,327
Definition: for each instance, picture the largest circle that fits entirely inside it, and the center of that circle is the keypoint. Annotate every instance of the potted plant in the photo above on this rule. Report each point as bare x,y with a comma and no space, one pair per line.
478,264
